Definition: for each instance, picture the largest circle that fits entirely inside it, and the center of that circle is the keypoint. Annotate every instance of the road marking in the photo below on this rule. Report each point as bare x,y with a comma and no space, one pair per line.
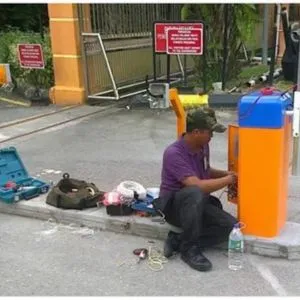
34,117
62,124
4,137
15,102
266,273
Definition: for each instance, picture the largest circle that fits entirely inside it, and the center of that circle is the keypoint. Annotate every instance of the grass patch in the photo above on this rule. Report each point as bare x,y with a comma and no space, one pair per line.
283,85
252,72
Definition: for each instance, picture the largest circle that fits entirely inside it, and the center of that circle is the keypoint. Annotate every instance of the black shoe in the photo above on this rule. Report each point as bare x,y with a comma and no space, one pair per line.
195,259
172,244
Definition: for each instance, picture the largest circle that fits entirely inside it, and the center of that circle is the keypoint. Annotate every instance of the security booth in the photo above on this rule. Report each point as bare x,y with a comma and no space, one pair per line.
259,150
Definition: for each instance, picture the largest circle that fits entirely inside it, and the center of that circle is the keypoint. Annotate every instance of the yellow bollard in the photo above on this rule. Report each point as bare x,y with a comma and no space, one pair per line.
179,111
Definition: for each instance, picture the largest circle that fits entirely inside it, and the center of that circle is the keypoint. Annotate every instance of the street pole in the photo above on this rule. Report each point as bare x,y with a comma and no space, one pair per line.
272,63
296,124
225,45
184,70
265,35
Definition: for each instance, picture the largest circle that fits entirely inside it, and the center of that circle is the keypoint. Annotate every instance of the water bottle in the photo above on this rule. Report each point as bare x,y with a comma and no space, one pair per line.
235,248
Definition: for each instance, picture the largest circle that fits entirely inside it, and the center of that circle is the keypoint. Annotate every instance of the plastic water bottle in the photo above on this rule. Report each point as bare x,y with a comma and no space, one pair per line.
235,248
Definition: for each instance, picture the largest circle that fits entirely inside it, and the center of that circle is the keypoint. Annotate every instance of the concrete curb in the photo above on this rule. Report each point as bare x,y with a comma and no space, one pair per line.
224,100
23,102
93,217
287,245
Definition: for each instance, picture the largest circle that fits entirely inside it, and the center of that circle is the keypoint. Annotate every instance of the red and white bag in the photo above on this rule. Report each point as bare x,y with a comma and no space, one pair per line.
112,198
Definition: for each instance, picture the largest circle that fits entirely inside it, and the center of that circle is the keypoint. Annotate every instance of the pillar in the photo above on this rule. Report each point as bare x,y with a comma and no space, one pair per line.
281,41
68,66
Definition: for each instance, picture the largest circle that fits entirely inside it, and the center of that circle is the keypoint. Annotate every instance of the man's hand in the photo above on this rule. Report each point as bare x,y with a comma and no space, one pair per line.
231,178
215,173
232,173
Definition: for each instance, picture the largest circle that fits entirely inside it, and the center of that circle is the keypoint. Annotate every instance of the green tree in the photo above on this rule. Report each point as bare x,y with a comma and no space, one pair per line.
241,28
25,17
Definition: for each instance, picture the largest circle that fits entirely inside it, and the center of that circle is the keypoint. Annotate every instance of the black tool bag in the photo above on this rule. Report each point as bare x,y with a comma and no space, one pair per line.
72,193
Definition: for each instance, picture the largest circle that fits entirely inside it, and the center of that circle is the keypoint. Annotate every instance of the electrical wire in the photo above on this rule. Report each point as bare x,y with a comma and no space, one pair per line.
130,190
222,193
155,259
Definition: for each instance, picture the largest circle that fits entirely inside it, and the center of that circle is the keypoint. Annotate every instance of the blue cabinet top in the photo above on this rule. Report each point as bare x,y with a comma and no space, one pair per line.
264,109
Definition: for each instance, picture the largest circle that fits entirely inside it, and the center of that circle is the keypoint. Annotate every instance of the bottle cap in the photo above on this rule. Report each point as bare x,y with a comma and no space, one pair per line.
236,225
267,91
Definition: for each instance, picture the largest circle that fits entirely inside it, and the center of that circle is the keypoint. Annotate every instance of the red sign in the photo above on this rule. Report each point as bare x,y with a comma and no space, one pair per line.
31,56
187,41
160,36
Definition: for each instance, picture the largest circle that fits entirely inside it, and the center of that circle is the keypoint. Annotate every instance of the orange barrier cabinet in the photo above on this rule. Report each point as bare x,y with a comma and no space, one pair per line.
259,151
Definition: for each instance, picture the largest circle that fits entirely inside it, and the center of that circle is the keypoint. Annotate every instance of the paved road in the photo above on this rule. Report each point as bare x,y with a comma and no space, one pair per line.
37,260
107,149
11,112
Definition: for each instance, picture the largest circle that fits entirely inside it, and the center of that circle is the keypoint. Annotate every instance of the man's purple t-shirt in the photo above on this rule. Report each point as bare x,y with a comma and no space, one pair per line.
179,162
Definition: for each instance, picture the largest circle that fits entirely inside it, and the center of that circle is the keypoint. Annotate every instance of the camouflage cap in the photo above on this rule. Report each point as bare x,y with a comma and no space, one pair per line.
203,118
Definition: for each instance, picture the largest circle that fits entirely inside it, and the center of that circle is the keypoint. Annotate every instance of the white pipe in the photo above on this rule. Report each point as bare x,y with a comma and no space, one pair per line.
277,72
277,31
296,140
296,120
265,76
251,83
258,58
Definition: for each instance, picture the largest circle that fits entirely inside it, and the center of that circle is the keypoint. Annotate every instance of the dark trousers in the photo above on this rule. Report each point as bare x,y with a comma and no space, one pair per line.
201,217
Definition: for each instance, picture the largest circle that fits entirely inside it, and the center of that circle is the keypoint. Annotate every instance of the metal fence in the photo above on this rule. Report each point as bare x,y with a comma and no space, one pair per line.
130,20
122,50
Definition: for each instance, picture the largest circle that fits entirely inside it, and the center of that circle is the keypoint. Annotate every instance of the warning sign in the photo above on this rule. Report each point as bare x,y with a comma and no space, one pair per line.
185,41
31,56
180,38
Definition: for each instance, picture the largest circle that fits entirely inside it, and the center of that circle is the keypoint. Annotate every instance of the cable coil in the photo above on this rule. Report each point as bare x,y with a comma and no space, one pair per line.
131,190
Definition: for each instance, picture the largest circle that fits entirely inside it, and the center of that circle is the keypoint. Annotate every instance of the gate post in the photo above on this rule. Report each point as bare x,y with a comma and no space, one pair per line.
281,39
68,67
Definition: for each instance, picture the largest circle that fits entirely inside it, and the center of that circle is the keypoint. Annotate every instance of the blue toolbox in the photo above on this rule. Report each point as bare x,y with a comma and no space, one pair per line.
15,182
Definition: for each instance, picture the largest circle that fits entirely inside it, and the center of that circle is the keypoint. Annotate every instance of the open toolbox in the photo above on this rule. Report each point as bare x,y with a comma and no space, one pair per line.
146,205
15,182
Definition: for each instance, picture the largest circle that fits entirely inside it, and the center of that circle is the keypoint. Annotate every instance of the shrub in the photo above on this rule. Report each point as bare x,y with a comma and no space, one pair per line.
40,78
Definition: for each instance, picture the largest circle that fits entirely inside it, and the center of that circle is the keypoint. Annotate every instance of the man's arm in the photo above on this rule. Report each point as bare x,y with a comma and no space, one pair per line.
176,166
209,185
215,173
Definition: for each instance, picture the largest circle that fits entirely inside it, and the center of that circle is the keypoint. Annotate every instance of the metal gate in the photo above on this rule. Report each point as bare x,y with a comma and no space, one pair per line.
117,47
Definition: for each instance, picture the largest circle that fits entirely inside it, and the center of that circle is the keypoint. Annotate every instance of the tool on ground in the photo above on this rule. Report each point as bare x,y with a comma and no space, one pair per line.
142,214
142,253
154,256
10,185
